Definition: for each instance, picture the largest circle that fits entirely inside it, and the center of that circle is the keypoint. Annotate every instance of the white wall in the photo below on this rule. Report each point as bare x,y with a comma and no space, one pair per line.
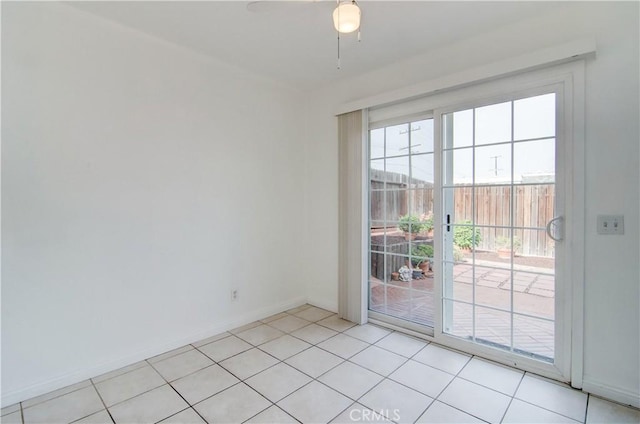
140,183
612,289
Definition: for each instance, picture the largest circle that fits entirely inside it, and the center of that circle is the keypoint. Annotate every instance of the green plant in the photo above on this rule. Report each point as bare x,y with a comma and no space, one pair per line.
425,250
505,242
410,224
421,253
428,224
466,237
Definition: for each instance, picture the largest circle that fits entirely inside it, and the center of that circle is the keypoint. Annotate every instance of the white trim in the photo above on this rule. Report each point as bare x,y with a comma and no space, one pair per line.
364,221
401,325
554,55
606,391
564,208
576,207
437,228
402,119
323,304
387,323
496,355
9,398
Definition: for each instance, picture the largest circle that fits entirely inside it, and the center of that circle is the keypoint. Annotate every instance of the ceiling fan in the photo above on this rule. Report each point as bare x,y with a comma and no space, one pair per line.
346,15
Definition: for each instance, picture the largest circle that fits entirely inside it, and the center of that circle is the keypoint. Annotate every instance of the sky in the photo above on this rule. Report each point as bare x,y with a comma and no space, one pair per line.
533,118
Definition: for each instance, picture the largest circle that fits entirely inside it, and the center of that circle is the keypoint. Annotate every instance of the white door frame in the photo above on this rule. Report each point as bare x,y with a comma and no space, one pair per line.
570,301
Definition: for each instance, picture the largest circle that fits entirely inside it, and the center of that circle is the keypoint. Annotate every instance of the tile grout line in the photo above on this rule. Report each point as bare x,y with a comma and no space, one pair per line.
586,409
180,412
151,389
177,392
342,357
382,375
132,397
186,375
143,362
101,400
189,406
547,409
342,412
55,397
252,375
436,398
288,357
512,397
370,390
240,380
311,345
300,338
377,384
148,360
192,344
343,360
271,406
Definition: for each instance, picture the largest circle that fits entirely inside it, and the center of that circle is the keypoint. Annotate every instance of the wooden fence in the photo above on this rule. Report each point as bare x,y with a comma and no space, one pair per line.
402,196
533,207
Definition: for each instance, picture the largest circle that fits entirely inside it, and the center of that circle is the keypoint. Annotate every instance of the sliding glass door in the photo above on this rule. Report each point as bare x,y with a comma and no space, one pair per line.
466,209
401,191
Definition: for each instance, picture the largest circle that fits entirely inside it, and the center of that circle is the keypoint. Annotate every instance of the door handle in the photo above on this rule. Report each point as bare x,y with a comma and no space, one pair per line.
552,226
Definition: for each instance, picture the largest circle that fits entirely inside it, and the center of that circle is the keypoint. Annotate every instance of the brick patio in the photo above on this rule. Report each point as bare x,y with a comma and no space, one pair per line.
533,294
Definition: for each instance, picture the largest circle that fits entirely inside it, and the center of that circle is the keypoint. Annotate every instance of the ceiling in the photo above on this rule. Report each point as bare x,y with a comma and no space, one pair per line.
294,41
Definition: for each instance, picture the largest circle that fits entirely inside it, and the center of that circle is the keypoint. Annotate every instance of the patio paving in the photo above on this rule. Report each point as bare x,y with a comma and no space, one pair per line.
533,294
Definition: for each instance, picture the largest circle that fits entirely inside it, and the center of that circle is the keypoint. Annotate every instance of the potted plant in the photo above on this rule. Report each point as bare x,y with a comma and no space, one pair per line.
466,237
505,248
427,221
411,225
422,256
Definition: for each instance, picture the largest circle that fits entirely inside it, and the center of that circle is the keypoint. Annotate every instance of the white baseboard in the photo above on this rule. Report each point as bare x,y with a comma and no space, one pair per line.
615,394
329,306
9,398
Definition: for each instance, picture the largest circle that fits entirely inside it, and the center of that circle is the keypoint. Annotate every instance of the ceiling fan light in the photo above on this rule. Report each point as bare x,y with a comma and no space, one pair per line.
346,17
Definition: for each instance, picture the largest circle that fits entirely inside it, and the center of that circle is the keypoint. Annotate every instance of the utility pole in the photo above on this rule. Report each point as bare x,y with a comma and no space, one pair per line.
495,164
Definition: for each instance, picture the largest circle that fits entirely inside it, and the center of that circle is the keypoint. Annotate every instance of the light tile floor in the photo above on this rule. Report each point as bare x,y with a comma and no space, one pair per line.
306,365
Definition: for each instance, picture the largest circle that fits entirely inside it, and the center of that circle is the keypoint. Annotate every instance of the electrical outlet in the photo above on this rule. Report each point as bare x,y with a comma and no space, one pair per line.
611,224
234,295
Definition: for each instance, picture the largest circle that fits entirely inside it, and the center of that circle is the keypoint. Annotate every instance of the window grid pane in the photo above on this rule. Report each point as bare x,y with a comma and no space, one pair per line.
498,174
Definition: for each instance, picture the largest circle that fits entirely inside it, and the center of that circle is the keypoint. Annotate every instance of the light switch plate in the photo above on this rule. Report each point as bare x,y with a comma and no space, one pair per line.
611,224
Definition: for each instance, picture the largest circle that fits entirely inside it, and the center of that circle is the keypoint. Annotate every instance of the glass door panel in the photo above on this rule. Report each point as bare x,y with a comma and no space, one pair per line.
401,175
498,194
